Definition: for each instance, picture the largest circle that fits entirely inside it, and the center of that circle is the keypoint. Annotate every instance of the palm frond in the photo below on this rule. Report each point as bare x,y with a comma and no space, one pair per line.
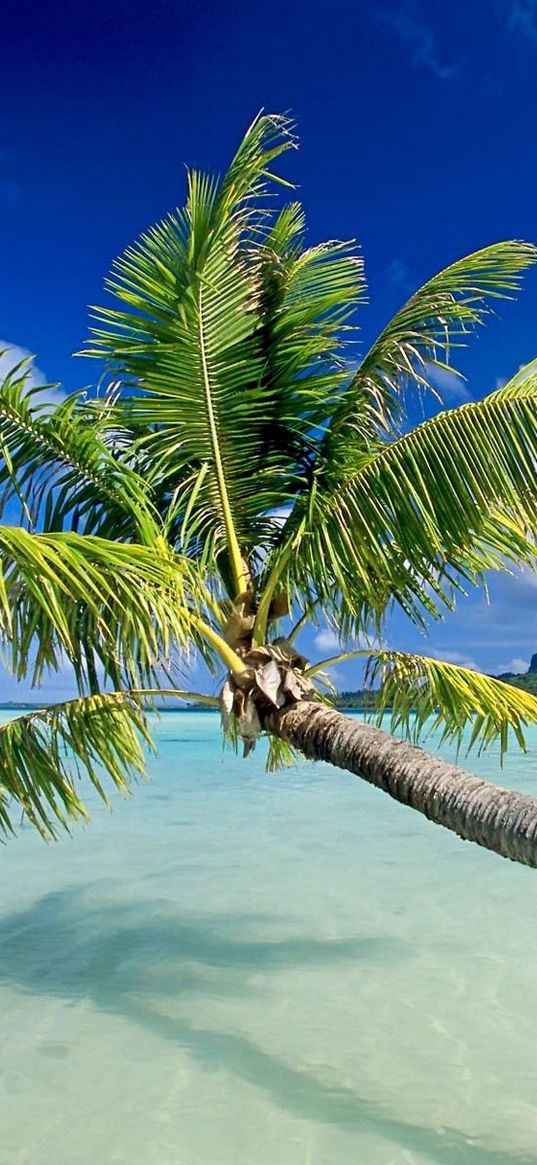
186,341
421,694
437,318
306,302
280,755
229,331
56,464
43,754
118,607
250,174
425,514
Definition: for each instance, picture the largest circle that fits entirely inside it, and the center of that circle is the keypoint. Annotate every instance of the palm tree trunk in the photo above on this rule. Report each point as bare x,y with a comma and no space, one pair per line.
493,817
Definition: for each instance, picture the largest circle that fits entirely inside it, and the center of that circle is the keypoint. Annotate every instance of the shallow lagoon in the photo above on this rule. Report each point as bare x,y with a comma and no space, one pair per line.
237,968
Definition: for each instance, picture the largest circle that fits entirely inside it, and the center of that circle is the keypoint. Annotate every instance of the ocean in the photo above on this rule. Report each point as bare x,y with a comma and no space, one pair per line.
242,968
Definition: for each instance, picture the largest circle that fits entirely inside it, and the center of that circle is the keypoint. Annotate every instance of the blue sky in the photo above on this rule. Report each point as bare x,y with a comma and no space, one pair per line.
418,129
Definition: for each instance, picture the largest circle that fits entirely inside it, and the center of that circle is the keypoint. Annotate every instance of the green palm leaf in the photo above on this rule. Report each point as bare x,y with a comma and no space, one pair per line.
229,331
44,753
98,603
308,297
449,500
421,694
186,341
242,455
55,461
421,336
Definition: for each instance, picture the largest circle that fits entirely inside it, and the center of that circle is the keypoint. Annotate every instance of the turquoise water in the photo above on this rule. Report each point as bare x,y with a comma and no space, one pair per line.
237,968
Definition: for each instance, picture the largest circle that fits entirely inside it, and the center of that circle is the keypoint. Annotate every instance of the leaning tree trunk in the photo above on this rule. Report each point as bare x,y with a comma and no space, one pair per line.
493,817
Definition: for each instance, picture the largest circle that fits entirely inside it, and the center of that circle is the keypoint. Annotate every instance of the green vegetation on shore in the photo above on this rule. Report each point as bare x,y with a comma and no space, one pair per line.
364,699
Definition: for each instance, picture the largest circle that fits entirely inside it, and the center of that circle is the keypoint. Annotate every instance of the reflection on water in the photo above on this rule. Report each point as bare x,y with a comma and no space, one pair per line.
239,968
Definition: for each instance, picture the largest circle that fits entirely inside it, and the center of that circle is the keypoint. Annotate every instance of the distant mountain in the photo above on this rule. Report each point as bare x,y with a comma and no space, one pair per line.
525,680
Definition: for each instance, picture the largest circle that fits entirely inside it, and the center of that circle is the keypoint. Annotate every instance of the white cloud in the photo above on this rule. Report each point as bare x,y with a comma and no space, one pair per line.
450,385
516,665
520,17
11,355
510,613
336,675
327,640
408,25
60,685
454,657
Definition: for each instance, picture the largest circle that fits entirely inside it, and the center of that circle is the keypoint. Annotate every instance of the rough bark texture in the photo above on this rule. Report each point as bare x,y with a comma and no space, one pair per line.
493,817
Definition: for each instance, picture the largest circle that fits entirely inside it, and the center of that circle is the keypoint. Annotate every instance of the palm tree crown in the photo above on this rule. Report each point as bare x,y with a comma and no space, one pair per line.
240,465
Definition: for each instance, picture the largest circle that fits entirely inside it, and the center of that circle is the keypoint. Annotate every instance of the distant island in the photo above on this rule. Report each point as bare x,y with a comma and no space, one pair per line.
361,700
23,705
33,706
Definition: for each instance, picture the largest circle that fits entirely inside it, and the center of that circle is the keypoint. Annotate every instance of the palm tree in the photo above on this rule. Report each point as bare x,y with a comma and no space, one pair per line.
239,467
